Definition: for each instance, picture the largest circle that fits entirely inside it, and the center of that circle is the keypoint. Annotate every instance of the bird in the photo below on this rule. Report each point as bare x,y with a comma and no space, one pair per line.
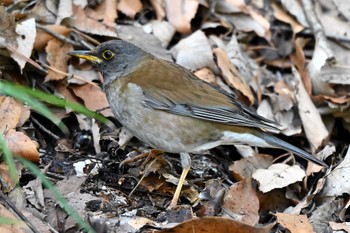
166,106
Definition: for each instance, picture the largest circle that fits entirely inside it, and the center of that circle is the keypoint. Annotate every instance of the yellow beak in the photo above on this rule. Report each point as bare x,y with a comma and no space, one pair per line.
86,55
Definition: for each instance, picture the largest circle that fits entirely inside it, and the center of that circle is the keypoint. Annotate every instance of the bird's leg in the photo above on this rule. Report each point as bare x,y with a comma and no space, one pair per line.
186,165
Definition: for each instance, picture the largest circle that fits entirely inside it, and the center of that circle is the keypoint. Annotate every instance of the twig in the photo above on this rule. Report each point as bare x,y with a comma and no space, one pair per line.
70,76
9,205
58,36
44,129
14,50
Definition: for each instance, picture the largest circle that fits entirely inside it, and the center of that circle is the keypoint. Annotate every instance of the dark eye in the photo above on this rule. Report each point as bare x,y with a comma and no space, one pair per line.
107,54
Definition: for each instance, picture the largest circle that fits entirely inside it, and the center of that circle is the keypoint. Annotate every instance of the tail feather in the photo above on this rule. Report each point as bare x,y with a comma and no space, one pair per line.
279,143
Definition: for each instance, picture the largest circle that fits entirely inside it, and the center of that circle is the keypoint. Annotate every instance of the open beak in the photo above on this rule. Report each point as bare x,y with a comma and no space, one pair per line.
84,54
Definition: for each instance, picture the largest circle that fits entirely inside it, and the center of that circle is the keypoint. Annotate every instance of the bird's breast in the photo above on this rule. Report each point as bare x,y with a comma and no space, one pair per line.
161,130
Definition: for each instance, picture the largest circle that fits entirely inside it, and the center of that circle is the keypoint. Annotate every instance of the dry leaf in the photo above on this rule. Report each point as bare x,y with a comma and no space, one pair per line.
180,13
339,226
206,75
284,17
295,223
314,127
18,226
325,213
94,98
338,181
86,23
65,10
57,56
159,7
164,31
194,52
10,113
26,32
244,168
20,144
130,7
295,8
216,225
278,176
242,203
43,38
7,182
232,76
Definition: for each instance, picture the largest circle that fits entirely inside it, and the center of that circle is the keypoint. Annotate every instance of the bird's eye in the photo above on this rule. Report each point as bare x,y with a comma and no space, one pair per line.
107,54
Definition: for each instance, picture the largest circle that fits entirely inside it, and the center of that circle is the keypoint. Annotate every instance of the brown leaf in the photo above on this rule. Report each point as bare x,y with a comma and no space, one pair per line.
180,13
94,98
58,58
86,22
244,168
216,225
20,144
130,7
295,223
231,75
242,203
7,182
43,38
284,17
10,113
206,75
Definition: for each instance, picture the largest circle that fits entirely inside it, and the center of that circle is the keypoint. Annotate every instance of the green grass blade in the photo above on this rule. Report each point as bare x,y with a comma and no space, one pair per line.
17,93
52,99
8,159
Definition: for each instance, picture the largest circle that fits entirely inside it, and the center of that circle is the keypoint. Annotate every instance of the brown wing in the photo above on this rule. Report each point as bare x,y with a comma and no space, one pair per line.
174,89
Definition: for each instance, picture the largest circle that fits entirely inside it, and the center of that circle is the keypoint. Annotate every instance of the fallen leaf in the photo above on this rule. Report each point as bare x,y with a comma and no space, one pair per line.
180,13
26,32
16,226
338,181
130,7
206,75
278,175
295,223
314,127
163,30
232,76
7,182
323,214
159,7
65,10
43,37
94,98
10,113
20,144
86,23
193,52
244,168
241,202
57,56
216,225
286,18
339,226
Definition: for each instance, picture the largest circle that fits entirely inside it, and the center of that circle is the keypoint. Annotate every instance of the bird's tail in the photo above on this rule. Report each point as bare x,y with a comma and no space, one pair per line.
279,143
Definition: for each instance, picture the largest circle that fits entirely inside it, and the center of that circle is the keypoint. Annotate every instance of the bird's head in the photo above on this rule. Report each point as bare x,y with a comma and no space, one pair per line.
113,58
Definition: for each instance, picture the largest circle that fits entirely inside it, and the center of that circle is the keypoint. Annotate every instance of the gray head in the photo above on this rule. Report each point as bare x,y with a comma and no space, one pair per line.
113,58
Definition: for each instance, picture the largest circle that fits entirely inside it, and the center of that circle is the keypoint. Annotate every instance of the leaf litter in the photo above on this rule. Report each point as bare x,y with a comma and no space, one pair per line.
285,59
